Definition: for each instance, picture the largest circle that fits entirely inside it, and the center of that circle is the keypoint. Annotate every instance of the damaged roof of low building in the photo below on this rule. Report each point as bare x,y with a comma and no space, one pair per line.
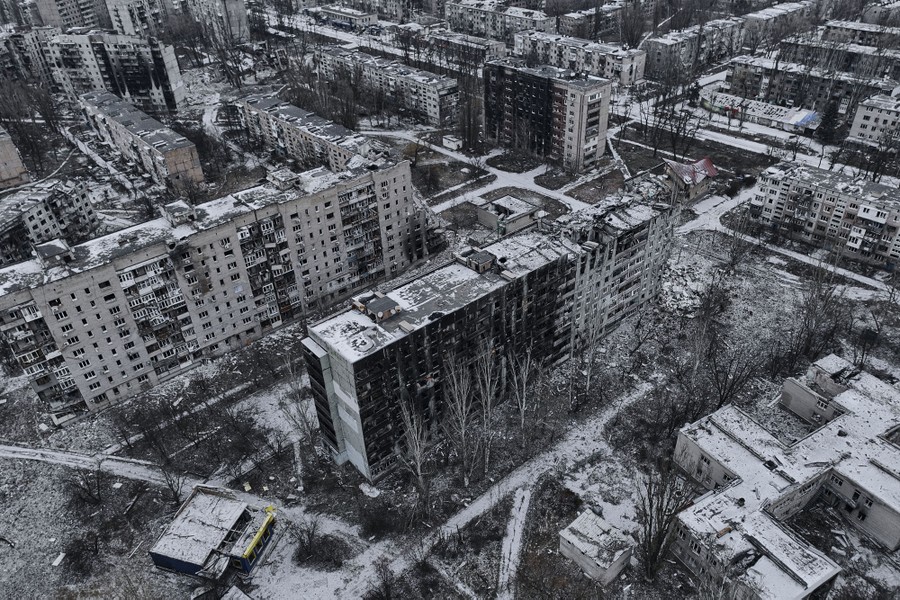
850,445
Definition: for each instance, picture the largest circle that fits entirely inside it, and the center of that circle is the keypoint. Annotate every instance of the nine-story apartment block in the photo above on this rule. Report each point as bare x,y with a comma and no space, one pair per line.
548,291
98,322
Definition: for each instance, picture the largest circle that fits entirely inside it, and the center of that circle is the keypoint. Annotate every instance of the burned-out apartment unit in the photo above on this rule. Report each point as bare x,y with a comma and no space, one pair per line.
552,112
225,21
45,211
432,98
169,158
737,535
854,217
792,84
22,53
141,71
12,169
549,289
98,322
303,136
611,61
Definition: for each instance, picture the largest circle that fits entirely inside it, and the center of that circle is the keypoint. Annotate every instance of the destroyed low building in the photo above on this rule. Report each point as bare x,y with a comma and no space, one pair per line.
598,548
735,535
214,533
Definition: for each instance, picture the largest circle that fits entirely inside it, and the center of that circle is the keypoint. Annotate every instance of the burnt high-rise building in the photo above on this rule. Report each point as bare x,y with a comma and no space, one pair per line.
548,111
549,290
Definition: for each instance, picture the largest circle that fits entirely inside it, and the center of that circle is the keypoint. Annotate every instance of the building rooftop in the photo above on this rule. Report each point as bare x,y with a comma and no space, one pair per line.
103,250
860,26
462,38
312,123
766,469
596,538
882,102
579,43
345,10
566,76
762,62
392,67
354,335
773,12
800,117
137,122
200,526
864,190
710,27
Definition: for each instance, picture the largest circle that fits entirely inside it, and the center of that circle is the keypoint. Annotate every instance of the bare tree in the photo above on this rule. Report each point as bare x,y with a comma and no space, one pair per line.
412,447
460,416
174,482
731,367
662,494
488,380
88,486
524,370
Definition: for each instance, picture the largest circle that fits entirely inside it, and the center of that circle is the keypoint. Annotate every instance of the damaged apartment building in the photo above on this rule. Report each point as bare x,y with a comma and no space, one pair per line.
856,218
431,98
303,136
45,211
98,322
169,158
547,289
843,453
548,111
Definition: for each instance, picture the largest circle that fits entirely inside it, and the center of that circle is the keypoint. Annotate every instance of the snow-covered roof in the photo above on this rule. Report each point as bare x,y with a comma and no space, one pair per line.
759,109
392,68
761,62
567,77
578,44
693,173
101,251
510,206
200,526
779,10
860,26
706,29
596,538
863,190
353,335
313,124
140,124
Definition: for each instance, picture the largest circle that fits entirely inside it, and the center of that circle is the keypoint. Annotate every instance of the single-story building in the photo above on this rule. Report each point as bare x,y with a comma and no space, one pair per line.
601,550
507,214
691,180
212,532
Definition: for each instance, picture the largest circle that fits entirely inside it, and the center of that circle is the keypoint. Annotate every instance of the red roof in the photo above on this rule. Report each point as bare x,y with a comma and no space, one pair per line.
692,174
